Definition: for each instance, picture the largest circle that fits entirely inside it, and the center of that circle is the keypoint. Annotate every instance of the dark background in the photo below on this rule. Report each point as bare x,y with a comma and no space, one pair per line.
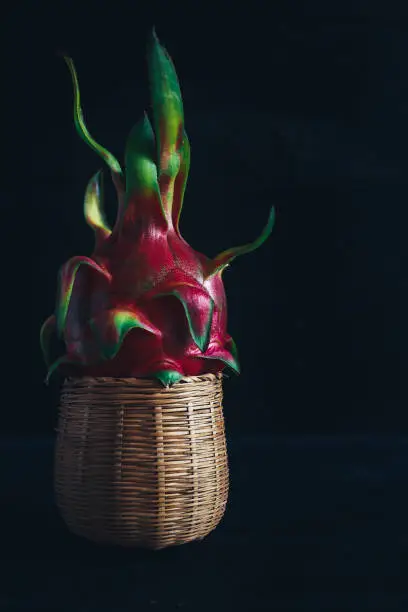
302,105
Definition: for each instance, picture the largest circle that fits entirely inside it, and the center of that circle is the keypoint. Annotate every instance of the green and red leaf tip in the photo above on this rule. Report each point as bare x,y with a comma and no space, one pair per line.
168,377
142,185
80,125
144,303
181,182
93,209
67,275
110,328
222,260
197,303
168,120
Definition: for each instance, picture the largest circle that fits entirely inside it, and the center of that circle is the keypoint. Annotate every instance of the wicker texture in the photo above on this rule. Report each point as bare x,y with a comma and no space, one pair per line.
140,465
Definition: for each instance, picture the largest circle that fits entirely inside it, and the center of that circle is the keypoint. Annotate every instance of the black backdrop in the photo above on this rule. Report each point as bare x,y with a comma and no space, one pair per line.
303,105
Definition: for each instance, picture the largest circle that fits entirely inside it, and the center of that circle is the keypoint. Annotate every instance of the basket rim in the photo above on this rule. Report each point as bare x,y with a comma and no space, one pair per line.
140,382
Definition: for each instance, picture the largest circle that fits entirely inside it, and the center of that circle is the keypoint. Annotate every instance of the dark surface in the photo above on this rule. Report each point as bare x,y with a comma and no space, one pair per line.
313,523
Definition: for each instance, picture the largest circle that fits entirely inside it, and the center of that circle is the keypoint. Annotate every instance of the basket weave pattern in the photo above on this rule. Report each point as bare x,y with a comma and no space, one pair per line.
140,465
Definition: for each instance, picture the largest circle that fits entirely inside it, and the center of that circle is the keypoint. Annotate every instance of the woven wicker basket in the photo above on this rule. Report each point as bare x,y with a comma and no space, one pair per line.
140,465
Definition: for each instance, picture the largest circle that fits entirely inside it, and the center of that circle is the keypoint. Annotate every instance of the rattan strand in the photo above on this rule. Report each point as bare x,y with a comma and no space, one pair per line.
140,465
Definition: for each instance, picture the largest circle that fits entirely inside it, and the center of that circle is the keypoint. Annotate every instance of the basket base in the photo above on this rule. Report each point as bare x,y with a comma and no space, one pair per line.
138,465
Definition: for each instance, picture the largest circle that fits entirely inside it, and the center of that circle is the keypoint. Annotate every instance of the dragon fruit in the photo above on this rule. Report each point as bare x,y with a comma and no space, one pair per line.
144,304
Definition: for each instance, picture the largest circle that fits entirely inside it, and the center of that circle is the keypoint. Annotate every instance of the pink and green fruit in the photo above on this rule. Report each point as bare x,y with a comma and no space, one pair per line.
145,303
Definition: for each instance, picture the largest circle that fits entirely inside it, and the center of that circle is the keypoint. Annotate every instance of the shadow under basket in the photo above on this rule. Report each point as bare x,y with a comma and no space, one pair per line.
140,465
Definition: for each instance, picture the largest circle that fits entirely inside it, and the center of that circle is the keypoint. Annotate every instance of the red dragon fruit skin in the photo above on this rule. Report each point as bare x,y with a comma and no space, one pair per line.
144,304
